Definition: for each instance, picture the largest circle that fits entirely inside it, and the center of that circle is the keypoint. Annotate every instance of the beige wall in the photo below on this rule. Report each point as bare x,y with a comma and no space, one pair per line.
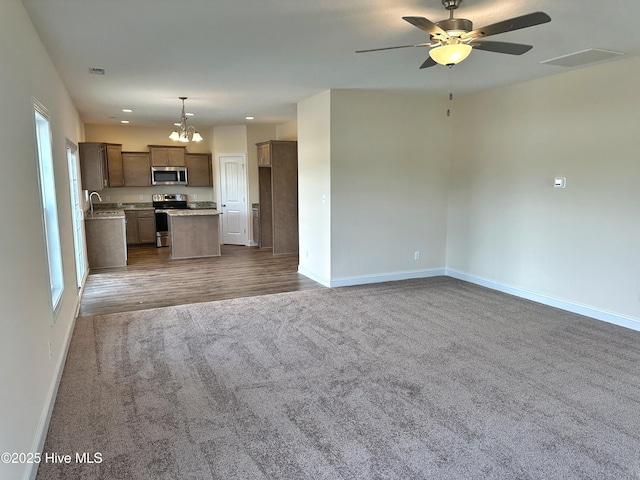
389,170
28,377
508,225
287,131
314,182
380,161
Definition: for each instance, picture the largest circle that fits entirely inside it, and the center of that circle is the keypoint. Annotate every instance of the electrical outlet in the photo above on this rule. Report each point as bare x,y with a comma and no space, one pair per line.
416,255
306,254
195,196
141,197
107,198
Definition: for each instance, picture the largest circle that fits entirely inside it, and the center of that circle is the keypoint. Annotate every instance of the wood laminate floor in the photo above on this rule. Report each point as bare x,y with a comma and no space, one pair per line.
151,279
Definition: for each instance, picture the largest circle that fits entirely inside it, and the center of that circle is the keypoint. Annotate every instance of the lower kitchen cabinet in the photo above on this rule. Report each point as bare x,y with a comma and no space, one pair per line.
141,226
105,242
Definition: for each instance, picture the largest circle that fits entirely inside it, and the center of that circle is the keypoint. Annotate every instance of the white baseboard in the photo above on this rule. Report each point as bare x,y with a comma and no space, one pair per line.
386,277
45,416
321,280
365,279
586,310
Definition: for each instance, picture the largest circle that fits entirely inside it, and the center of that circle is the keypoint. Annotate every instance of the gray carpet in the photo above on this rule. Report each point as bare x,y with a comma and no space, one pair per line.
419,379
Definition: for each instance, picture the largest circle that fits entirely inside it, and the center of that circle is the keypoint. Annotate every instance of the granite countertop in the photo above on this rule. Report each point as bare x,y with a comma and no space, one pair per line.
149,206
105,214
190,212
122,206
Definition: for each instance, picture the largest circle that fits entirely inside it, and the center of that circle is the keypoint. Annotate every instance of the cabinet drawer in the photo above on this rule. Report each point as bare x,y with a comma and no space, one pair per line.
146,213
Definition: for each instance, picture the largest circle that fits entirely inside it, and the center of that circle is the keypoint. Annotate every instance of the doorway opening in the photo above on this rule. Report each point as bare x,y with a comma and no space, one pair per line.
77,214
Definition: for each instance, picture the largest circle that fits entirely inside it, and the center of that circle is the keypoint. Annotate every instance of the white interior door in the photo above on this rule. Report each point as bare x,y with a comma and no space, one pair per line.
233,199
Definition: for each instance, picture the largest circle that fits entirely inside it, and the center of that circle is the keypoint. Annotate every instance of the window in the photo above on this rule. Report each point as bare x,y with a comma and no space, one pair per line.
51,228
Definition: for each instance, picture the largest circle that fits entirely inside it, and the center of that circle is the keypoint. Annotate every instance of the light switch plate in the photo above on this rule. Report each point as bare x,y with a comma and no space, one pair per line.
559,182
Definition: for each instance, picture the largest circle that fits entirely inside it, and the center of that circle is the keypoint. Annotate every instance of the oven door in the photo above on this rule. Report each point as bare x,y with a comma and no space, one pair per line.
162,230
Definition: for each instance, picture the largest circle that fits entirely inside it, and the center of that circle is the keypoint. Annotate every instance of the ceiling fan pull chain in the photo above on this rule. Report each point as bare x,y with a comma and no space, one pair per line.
450,89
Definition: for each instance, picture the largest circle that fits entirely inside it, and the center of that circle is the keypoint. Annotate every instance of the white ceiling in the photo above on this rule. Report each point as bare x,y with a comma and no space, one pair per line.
234,58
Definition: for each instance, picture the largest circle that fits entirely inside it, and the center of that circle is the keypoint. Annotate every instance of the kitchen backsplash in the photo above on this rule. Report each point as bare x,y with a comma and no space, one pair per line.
133,205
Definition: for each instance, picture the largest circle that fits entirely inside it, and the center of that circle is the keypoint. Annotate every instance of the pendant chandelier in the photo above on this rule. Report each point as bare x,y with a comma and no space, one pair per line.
184,133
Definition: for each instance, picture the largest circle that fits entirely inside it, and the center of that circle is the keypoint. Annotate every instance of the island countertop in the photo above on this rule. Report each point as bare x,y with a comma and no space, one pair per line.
189,212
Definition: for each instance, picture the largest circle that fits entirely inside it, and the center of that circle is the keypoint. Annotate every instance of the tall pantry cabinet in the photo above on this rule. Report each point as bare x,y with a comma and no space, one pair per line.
278,184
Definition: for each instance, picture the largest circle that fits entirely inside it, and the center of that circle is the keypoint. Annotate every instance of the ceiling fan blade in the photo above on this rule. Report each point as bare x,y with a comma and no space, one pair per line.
509,25
426,25
502,47
392,48
429,62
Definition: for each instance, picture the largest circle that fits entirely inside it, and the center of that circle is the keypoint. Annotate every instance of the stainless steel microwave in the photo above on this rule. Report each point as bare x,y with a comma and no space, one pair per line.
168,175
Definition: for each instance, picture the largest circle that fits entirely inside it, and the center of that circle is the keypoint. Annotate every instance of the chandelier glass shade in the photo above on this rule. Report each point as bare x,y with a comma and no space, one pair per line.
450,54
184,133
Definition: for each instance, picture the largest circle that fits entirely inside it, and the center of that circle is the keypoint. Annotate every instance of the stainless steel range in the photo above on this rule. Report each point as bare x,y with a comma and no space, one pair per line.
166,201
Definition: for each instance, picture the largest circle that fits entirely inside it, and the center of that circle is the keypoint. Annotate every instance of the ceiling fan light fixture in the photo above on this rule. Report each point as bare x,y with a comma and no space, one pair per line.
450,54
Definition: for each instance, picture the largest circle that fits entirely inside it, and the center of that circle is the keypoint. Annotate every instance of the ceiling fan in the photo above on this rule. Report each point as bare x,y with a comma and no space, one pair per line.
453,39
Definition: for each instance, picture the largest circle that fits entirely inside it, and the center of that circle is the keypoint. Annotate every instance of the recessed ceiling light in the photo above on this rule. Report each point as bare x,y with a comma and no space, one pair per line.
127,110
189,114
249,118
124,121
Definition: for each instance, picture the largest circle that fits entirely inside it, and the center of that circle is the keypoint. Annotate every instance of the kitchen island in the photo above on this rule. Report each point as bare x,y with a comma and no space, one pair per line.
194,233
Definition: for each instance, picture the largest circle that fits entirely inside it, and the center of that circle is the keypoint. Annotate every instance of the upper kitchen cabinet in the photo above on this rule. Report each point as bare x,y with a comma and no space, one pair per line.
101,165
136,168
163,156
114,165
199,170
264,154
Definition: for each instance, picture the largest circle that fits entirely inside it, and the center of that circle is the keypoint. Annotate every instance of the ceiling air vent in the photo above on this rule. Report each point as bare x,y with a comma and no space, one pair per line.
583,57
96,71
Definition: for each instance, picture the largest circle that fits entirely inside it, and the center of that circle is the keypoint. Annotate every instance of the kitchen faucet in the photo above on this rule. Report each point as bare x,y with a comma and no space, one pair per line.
91,199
